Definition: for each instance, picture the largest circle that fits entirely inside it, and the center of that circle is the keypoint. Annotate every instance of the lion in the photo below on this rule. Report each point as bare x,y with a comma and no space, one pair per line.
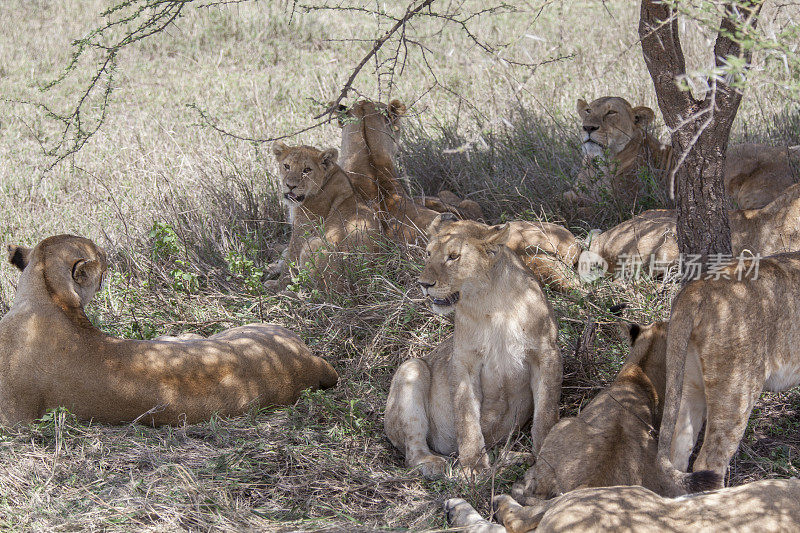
613,440
328,218
51,355
550,251
649,242
731,336
646,242
369,151
501,364
769,505
615,133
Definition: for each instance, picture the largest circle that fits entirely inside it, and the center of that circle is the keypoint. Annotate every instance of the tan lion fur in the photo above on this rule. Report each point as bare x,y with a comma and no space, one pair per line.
769,230
369,151
501,364
754,174
613,440
328,217
766,506
51,355
728,340
550,251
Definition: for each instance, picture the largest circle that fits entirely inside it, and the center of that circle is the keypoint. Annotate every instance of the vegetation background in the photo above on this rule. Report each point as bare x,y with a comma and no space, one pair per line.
191,218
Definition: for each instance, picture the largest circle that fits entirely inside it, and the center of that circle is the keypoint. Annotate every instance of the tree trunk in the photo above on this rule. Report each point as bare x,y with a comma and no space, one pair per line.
700,127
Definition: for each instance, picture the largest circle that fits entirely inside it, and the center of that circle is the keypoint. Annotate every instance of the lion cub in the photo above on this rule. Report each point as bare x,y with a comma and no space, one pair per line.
501,364
326,214
613,440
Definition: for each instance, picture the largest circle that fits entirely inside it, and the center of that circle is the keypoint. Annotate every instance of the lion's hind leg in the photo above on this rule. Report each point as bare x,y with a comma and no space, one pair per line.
407,420
462,515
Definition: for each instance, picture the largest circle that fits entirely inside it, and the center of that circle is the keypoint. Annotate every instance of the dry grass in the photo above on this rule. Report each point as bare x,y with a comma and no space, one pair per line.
325,462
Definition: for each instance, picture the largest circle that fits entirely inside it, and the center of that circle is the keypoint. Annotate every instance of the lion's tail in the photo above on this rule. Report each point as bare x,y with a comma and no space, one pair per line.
681,324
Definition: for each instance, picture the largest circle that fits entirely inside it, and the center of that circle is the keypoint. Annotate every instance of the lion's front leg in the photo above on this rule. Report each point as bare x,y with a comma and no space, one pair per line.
546,375
467,416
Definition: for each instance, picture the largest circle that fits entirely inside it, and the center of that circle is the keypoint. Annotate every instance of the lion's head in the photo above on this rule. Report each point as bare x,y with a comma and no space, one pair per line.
459,261
610,123
303,170
71,267
371,122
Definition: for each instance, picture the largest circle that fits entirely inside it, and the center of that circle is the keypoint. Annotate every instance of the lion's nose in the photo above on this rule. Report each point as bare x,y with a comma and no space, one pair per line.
290,186
590,129
425,284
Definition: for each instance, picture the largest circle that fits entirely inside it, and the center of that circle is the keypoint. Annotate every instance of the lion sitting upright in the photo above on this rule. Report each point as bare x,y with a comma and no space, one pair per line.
368,153
501,364
615,133
51,355
328,218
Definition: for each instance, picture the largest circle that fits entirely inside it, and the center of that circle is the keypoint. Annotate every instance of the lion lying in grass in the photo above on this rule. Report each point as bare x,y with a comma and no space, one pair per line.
766,506
613,440
550,251
328,217
501,364
616,133
769,230
369,150
51,355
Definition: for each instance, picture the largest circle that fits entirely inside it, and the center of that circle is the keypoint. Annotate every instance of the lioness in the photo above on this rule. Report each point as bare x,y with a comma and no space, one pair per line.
550,251
611,128
51,355
369,150
769,230
650,235
327,215
501,364
769,505
728,340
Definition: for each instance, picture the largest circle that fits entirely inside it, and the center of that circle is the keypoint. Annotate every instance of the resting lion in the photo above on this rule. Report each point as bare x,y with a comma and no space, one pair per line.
769,230
501,364
550,251
613,440
766,506
368,154
51,355
728,340
328,217
755,174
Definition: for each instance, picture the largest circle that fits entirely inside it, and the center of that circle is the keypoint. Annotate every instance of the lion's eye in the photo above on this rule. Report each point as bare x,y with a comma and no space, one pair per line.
453,256
610,113
306,170
286,166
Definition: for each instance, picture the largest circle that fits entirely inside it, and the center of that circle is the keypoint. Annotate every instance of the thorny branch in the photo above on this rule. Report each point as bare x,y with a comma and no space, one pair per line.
130,21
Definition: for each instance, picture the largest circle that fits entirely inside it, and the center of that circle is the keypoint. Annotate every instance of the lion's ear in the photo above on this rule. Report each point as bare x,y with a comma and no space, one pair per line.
581,106
440,222
643,115
19,256
328,158
396,110
85,271
634,330
497,237
279,149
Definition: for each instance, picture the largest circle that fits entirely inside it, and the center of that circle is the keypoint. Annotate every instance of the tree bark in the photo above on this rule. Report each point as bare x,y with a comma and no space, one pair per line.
700,127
